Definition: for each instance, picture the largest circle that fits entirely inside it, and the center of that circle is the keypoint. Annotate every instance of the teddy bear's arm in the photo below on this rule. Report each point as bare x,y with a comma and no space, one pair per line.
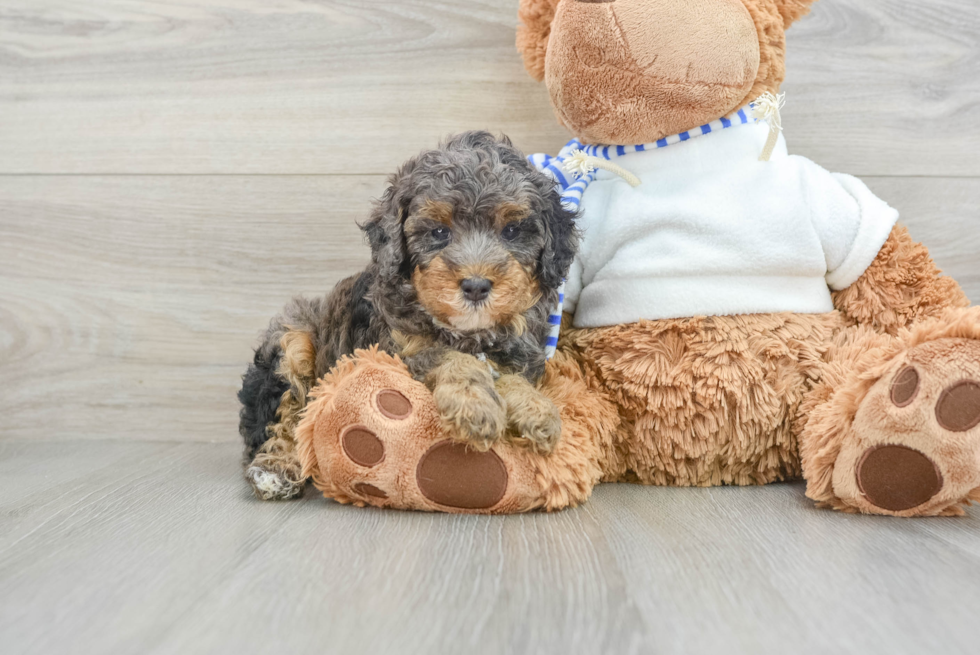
902,285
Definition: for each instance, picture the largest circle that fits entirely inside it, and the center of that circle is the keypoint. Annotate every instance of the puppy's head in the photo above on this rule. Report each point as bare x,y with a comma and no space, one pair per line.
475,233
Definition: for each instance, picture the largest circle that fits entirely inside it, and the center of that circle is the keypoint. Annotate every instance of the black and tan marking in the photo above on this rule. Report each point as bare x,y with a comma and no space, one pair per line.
469,244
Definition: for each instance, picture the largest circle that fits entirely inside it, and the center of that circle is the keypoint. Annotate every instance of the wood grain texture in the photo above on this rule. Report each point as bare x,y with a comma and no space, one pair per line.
876,87
886,87
128,305
137,268
159,548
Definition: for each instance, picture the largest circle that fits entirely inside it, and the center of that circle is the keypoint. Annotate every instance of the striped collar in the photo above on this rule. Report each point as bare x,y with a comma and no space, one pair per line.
572,188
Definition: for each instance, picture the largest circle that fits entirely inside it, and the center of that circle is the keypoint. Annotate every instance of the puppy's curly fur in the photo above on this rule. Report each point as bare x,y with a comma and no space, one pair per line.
469,244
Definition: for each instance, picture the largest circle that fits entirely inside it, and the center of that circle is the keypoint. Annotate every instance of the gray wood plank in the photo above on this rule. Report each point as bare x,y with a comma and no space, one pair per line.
878,87
161,549
886,87
128,304
136,300
818,582
245,86
106,562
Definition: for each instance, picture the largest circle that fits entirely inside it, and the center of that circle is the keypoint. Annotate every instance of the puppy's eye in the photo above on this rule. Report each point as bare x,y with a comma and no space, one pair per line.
441,234
511,231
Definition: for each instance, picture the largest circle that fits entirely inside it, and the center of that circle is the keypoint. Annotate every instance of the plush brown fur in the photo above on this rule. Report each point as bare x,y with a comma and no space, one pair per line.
533,33
902,285
659,70
707,399
793,10
723,400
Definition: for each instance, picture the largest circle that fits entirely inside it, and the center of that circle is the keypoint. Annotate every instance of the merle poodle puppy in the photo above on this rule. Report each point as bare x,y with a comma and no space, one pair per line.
469,245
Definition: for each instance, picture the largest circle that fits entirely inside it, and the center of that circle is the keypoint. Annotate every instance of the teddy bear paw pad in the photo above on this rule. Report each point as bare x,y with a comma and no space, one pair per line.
393,404
958,409
362,446
453,475
897,478
917,433
365,489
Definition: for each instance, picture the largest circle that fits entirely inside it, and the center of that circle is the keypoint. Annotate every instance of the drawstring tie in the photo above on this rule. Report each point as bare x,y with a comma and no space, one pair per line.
579,163
766,108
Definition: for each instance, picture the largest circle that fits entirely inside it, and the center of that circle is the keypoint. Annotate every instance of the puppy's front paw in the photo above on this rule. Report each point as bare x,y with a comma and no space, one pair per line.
473,411
535,419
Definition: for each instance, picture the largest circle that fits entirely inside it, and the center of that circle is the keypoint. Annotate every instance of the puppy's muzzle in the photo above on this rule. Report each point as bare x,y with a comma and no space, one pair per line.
476,289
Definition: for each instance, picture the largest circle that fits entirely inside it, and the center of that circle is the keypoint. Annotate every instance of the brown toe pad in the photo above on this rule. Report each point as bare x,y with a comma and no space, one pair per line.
905,387
394,404
958,408
366,489
362,446
452,475
897,478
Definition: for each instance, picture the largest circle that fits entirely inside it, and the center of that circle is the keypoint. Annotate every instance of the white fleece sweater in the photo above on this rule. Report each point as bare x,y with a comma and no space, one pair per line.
711,230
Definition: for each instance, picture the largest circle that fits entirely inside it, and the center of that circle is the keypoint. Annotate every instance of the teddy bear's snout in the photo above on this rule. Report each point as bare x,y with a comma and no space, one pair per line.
625,55
648,31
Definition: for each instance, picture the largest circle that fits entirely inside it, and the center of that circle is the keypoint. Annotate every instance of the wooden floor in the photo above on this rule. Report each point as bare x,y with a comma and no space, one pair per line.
136,547
171,171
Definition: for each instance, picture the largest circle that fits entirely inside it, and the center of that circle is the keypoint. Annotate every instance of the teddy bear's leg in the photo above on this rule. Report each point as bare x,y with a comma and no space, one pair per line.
371,435
901,286
893,427
705,401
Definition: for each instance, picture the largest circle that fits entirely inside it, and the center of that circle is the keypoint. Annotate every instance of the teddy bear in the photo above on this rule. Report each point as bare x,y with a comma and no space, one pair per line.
736,315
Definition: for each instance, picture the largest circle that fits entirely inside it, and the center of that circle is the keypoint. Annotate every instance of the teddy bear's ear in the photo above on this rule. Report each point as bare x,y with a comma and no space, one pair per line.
533,33
791,10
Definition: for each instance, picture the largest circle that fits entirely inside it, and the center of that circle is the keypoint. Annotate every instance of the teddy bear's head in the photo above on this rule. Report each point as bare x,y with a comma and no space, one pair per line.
635,71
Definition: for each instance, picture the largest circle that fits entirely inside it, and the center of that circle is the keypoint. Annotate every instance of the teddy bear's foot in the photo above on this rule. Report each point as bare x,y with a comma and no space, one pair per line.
914,444
373,436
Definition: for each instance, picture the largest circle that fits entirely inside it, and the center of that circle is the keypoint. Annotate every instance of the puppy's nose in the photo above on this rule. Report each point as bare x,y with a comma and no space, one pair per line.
476,288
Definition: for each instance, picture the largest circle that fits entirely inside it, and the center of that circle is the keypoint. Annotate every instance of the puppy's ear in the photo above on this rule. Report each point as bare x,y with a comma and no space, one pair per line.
560,245
792,10
533,33
384,228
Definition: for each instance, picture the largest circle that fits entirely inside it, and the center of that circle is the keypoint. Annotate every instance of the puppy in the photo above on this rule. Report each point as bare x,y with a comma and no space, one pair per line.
469,244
